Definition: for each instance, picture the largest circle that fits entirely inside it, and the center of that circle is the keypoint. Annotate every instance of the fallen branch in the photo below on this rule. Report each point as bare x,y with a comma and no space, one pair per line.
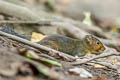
97,57
38,46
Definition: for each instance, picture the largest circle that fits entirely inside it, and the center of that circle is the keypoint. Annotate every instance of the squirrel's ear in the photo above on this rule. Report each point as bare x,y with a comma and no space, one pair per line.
89,37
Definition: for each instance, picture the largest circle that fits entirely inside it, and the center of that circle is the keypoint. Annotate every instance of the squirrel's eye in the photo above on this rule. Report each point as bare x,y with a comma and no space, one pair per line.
97,42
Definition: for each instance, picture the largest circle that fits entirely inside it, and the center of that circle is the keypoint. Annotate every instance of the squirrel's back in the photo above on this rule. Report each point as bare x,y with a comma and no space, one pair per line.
59,42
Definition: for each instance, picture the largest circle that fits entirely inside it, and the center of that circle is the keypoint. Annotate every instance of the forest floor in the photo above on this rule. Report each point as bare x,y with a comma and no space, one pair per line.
22,59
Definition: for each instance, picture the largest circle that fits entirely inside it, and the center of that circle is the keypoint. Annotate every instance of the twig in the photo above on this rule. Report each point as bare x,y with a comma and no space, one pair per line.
99,56
38,46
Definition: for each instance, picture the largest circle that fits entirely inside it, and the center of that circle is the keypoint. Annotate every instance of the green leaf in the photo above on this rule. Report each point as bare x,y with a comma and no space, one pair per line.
45,60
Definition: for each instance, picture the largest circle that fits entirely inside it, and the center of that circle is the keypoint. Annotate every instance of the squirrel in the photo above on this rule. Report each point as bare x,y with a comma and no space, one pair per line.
89,44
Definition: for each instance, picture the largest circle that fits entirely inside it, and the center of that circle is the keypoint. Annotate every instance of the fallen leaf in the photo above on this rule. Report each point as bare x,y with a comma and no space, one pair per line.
36,37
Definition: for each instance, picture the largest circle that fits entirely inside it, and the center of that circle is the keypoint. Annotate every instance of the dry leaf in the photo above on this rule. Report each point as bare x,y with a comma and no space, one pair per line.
36,37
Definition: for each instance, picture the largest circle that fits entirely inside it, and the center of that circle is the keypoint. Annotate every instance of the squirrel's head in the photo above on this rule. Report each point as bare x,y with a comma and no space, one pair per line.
93,44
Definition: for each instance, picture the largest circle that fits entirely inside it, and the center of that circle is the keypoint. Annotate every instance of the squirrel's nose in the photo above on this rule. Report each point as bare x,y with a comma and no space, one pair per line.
102,49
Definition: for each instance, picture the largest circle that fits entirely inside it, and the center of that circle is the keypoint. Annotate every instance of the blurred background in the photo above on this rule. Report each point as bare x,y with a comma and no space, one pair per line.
73,18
